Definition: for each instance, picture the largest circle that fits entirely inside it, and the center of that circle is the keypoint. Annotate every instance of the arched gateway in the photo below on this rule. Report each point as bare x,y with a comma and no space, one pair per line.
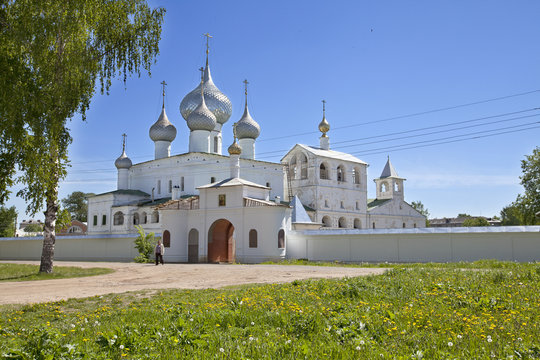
221,242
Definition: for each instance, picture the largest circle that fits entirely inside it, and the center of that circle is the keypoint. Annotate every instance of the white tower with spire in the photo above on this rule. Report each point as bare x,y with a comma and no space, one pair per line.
247,131
389,184
123,164
324,127
217,102
162,132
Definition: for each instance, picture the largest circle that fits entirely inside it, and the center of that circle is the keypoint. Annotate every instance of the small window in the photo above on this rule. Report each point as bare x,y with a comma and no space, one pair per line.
182,183
252,238
95,220
212,180
396,186
268,184
166,239
303,166
222,200
357,205
281,239
104,220
170,186
356,175
325,203
342,205
323,172
415,225
404,225
136,219
374,225
155,217
340,174
159,186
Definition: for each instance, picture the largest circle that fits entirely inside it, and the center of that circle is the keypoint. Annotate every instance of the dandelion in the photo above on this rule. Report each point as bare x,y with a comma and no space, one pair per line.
358,347
288,341
251,338
450,344
459,337
121,347
252,323
489,339
221,349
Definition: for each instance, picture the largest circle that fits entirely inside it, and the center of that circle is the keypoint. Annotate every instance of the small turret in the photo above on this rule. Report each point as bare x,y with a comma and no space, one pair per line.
123,164
235,151
389,184
247,131
324,127
162,132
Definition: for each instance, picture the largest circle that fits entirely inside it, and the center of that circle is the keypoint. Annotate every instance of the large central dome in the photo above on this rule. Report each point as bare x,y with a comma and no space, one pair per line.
217,102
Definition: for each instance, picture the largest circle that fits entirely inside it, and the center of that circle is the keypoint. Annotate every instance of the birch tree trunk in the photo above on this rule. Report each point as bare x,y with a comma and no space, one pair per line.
49,236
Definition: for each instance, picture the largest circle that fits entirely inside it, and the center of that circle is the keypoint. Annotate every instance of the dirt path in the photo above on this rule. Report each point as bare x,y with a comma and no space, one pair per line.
133,277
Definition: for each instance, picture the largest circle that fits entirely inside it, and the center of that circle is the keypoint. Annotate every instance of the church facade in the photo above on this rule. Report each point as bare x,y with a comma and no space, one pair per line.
210,207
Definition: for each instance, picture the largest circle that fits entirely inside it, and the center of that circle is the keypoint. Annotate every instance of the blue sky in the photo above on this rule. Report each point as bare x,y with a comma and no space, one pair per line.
373,62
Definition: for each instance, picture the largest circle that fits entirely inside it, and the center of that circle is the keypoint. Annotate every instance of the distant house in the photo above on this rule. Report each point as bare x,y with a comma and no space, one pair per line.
458,222
25,223
75,228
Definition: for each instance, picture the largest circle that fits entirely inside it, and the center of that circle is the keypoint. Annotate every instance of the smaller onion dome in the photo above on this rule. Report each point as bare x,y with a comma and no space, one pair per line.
324,126
247,128
235,149
201,118
123,162
162,130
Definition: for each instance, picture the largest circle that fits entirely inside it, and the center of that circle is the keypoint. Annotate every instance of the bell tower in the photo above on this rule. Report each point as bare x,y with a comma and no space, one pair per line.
389,184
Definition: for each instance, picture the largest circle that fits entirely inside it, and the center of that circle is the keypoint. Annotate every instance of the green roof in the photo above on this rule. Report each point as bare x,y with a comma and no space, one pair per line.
124,192
372,203
288,203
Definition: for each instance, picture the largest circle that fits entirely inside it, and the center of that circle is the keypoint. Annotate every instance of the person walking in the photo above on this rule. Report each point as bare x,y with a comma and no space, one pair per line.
159,251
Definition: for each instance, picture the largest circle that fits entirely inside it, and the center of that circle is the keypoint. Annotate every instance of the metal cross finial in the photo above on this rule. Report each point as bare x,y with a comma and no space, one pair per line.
163,84
234,131
323,107
208,36
124,136
202,74
245,85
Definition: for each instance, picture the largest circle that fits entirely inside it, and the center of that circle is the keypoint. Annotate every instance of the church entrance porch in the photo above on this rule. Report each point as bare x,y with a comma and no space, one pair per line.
221,242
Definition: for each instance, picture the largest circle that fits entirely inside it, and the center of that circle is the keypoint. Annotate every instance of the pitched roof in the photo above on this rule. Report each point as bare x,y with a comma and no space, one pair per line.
389,170
232,182
332,154
124,192
299,214
373,203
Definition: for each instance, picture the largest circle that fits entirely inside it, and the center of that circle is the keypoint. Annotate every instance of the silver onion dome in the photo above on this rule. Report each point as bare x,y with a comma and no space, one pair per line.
123,162
201,118
246,127
217,102
162,130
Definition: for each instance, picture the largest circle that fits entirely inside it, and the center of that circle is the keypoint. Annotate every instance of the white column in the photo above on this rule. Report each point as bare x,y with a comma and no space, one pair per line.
248,148
235,166
325,142
162,149
199,141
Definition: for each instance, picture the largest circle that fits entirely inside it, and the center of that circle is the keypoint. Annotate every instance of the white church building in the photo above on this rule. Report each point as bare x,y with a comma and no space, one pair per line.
208,206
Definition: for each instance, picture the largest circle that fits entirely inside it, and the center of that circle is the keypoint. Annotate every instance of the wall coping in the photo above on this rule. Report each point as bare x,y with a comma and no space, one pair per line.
75,237
437,230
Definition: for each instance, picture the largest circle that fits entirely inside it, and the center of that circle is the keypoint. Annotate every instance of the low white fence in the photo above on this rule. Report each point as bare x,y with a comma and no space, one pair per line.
75,248
515,243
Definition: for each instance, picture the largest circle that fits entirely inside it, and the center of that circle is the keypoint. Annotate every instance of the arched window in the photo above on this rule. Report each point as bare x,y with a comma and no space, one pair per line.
384,187
323,172
357,224
340,173
167,238
281,239
215,144
356,175
292,167
118,218
155,217
396,186
327,222
252,238
144,218
342,222
303,166
136,219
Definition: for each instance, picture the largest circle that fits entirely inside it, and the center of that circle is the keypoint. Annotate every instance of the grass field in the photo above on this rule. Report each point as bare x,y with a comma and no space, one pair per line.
438,311
23,272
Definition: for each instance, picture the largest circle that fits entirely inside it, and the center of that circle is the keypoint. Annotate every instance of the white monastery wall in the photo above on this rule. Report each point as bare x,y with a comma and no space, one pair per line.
515,243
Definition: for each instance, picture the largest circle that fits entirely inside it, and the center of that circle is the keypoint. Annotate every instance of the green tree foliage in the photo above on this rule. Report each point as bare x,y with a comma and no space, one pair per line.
475,221
63,219
77,205
463,215
52,54
418,206
8,217
511,215
144,243
32,228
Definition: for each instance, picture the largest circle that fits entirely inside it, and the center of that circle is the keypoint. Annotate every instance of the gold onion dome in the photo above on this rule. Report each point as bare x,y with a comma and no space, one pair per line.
162,130
217,102
246,127
324,126
235,149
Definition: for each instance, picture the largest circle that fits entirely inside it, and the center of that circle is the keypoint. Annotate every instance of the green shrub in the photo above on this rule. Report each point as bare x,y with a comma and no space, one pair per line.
145,244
